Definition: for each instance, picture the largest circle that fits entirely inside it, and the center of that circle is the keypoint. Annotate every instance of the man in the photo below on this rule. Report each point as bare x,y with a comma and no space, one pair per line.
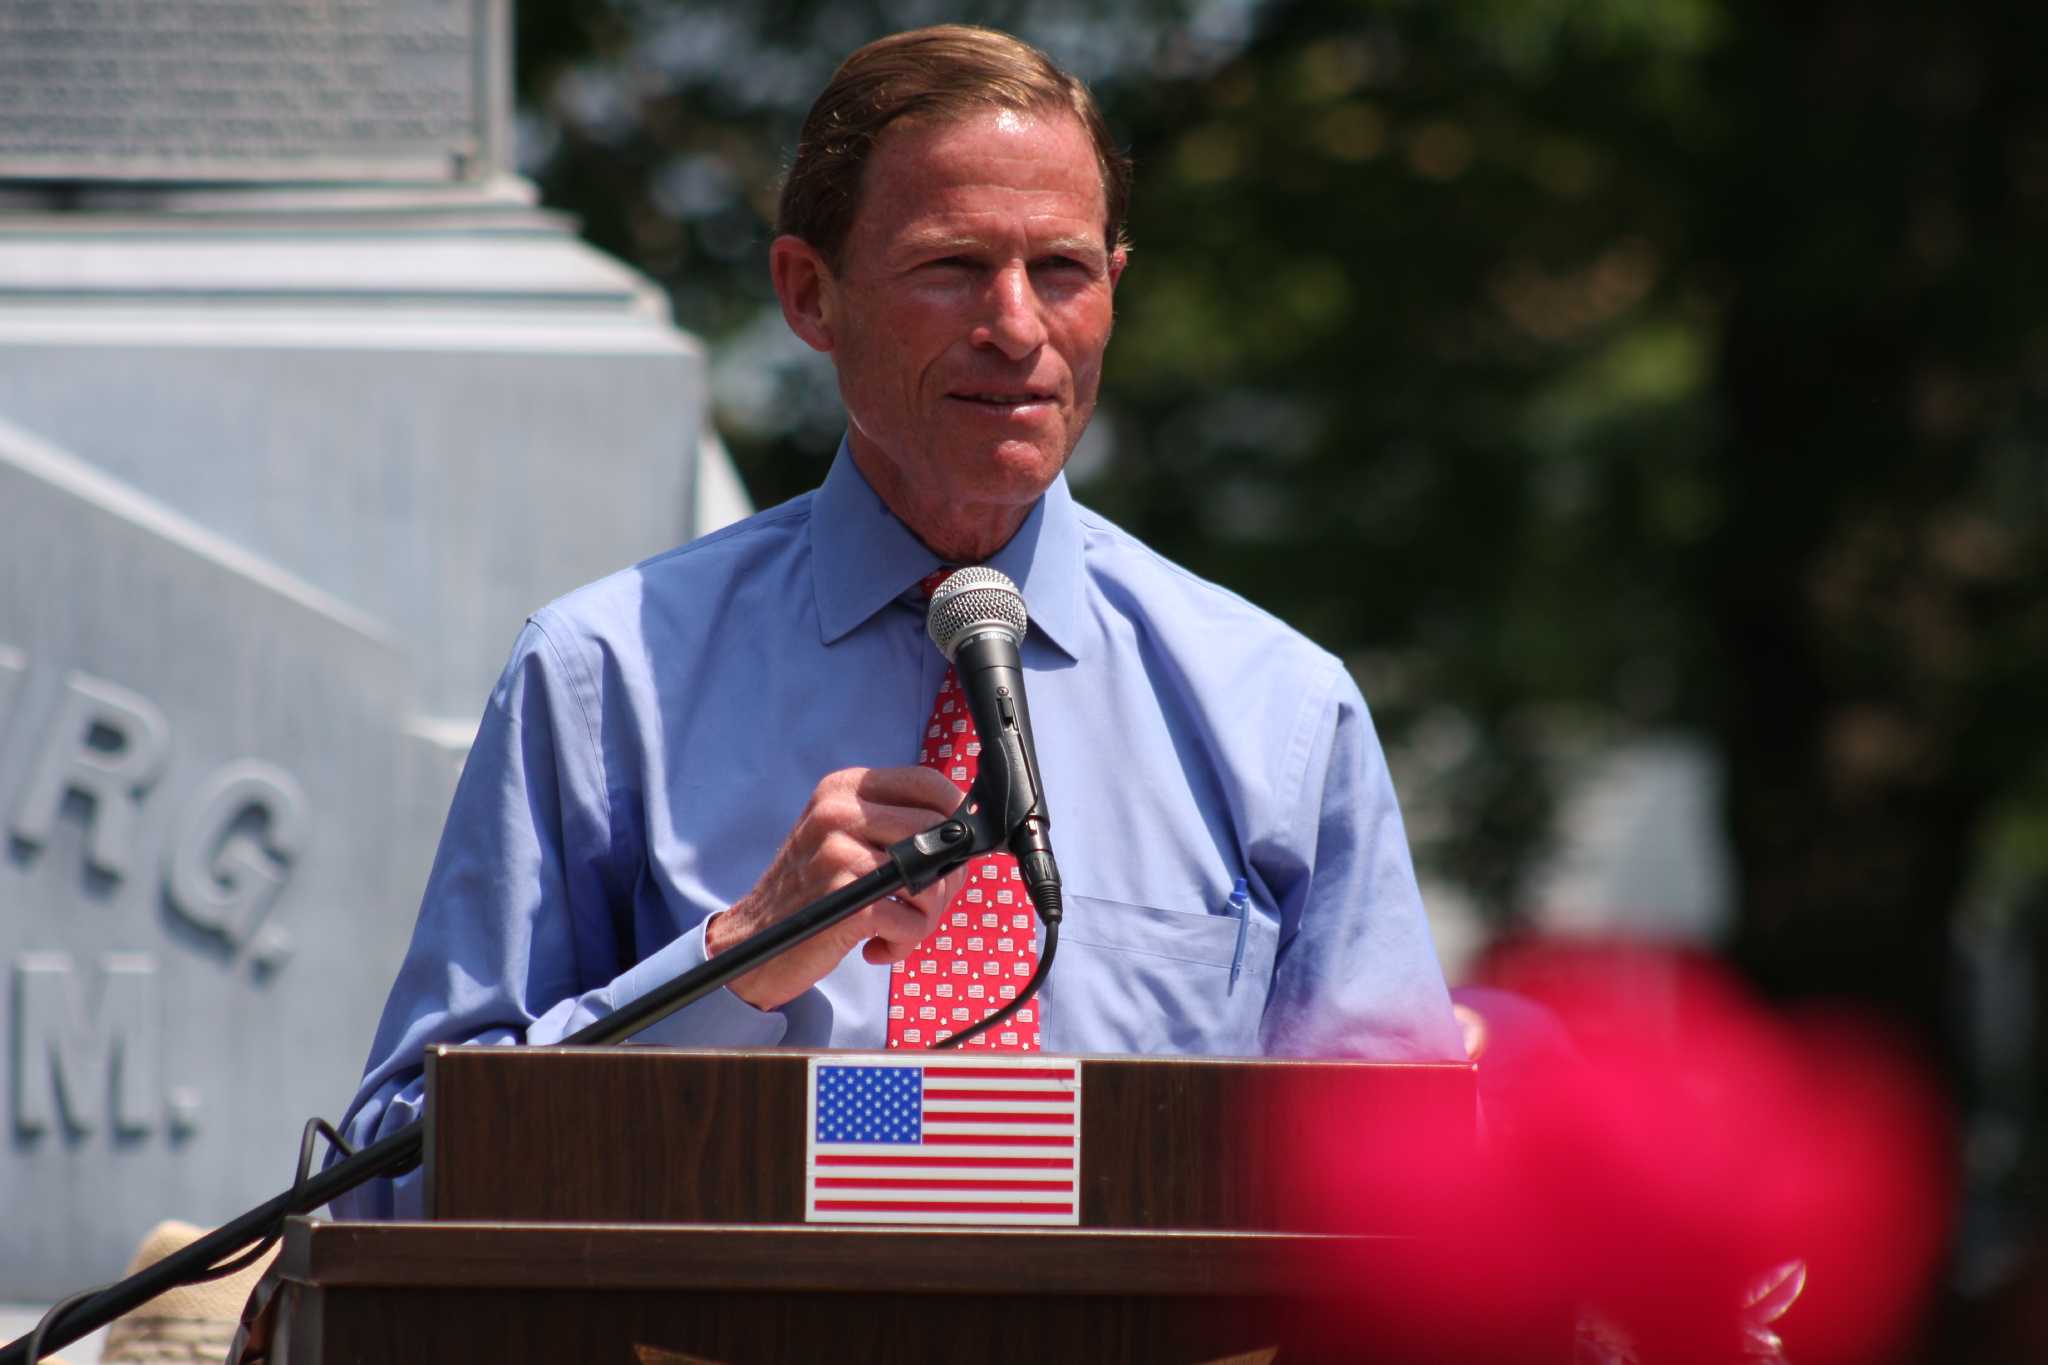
951,235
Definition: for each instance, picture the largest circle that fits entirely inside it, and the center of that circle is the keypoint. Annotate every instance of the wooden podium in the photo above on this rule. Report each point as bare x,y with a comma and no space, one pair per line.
647,1205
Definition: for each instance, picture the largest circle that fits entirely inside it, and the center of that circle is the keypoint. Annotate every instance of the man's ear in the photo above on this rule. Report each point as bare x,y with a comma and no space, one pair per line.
1118,259
804,284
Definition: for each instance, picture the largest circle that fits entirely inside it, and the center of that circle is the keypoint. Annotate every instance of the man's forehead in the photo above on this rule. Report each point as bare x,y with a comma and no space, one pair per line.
937,175
965,147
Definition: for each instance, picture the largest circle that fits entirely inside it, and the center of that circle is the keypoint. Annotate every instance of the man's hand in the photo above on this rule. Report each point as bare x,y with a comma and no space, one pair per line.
844,833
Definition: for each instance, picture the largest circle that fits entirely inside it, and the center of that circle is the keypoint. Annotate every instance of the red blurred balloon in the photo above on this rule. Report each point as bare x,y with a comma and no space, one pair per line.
1685,1145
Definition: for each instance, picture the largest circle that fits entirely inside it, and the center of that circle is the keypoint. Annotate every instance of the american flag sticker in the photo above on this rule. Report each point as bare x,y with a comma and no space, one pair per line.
986,1141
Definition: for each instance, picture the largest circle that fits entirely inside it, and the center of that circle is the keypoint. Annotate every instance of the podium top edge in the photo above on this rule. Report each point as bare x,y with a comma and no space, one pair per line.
716,1258
653,1051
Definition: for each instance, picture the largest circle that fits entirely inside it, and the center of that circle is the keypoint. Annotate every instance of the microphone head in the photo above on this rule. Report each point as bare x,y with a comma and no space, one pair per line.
970,601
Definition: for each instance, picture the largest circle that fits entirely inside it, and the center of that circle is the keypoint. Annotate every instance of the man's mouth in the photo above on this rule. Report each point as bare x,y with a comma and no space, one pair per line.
1003,398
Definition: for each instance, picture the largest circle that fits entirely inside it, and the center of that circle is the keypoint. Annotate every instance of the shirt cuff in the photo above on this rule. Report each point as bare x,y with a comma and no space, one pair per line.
720,1019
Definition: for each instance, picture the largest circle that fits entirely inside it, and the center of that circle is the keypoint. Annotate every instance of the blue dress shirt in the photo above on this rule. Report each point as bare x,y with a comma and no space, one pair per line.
656,734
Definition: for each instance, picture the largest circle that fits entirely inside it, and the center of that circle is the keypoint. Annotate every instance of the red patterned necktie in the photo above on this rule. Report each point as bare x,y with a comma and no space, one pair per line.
985,947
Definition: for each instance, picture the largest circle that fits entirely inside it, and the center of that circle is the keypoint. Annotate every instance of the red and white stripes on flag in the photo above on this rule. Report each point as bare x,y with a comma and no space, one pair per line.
982,1140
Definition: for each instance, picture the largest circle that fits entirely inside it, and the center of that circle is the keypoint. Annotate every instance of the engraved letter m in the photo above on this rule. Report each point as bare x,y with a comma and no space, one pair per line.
112,1047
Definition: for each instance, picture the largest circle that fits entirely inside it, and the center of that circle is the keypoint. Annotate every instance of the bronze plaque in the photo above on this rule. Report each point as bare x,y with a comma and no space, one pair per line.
251,90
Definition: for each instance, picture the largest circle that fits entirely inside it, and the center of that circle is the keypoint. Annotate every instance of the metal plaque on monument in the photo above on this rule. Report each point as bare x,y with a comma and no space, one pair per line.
304,404
317,91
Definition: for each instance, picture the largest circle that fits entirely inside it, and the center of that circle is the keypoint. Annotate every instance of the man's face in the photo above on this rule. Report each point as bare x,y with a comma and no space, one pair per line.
969,316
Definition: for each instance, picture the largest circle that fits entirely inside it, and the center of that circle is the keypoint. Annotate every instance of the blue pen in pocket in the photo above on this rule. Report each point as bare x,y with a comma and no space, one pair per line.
1241,907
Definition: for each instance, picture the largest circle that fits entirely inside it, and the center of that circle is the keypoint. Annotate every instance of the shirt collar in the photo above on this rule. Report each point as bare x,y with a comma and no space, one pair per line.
862,557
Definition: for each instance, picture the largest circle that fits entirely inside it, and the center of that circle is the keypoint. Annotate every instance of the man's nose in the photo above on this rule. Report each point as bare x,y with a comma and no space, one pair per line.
1014,323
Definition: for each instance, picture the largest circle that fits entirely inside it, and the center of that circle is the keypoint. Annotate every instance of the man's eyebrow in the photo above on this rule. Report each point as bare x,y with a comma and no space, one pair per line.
1073,246
925,243
922,242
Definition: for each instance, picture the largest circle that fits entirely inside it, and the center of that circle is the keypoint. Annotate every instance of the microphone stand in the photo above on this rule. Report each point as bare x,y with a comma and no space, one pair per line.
914,864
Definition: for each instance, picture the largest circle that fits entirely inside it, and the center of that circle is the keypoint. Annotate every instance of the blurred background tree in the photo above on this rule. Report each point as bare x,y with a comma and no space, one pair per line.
1580,369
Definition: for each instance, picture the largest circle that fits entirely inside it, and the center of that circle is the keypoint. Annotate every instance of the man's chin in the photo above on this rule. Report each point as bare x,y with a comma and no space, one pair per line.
957,478
1014,472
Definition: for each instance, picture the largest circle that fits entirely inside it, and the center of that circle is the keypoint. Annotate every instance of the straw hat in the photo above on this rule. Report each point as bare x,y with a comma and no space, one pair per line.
194,1322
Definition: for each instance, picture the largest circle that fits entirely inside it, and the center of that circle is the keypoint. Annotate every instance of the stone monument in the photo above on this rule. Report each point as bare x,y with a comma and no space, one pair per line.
303,405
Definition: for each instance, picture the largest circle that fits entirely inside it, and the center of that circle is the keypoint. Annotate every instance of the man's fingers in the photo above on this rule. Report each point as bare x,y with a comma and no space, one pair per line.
883,952
884,805
851,837
886,825
893,926
940,893
911,918
853,816
893,943
922,788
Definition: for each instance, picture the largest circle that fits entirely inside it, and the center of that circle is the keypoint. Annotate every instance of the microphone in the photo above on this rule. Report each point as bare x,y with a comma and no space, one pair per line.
977,620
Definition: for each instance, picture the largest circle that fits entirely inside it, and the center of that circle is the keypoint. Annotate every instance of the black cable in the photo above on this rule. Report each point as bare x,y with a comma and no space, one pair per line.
57,1310
246,1259
315,1127
1052,943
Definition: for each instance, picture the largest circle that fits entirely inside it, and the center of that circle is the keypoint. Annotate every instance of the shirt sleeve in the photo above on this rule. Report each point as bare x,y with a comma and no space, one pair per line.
525,929
1356,974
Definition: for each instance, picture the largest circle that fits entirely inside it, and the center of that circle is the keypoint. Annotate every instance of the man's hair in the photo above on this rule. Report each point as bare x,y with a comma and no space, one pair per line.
949,71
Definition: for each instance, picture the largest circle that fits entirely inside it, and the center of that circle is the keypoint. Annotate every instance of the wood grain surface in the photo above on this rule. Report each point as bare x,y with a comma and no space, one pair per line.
661,1135
369,1293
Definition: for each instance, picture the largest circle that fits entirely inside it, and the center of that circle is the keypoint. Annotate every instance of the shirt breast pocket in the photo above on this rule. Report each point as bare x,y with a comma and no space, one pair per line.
1141,979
